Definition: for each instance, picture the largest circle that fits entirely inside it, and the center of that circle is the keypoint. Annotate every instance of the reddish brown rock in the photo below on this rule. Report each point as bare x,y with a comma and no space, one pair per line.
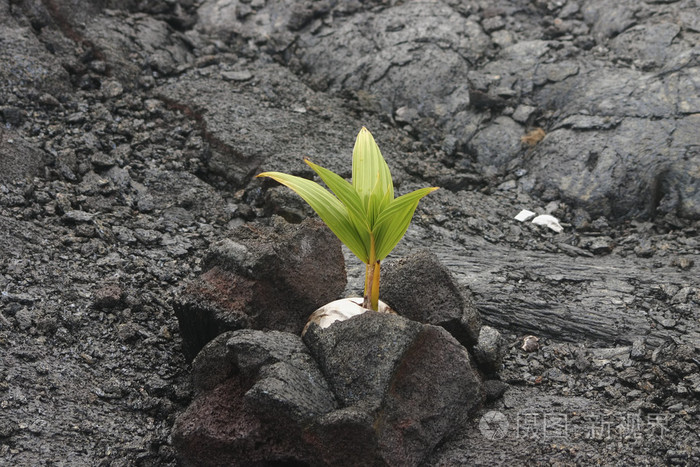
268,278
108,296
256,392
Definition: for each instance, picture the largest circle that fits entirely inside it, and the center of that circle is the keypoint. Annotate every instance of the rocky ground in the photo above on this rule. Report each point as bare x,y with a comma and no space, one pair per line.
131,132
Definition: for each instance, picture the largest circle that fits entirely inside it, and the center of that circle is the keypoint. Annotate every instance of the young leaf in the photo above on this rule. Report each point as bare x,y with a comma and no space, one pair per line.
394,220
369,167
343,190
363,214
328,208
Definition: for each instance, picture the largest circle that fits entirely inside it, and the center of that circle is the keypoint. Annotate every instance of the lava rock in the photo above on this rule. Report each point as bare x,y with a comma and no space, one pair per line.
498,143
376,389
270,278
638,351
24,318
494,389
108,296
27,61
421,288
220,428
19,159
401,412
77,217
374,343
489,350
256,392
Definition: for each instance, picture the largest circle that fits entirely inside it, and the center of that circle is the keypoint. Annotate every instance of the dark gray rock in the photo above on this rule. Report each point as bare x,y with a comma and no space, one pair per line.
494,389
78,217
120,177
214,364
428,393
237,153
499,143
126,45
359,356
263,22
432,393
596,186
19,159
379,54
236,75
607,21
385,391
253,350
489,350
24,318
183,189
299,392
679,186
638,351
12,116
264,387
27,64
421,288
385,53
270,278
648,46
598,245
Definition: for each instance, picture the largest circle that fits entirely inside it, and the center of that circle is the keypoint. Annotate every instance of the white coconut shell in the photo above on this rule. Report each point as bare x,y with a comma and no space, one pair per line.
340,310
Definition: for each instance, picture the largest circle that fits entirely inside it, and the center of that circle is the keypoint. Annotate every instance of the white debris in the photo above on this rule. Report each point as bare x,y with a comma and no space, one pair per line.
530,344
524,215
548,221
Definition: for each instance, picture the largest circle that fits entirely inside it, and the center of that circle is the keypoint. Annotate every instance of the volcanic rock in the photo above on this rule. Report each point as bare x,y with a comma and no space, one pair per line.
421,288
269,278
376,389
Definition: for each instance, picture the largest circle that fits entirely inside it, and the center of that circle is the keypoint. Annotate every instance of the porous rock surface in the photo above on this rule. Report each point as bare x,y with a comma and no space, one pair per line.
424,290
256,392
376,389
269,278
413,383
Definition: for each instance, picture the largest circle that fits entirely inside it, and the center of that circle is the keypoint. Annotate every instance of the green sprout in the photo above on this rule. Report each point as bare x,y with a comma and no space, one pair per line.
364,215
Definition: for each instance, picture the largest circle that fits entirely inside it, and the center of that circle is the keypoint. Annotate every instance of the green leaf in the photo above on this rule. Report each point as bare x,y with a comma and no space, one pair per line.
394,220
369,168
343,190
328,208
363,214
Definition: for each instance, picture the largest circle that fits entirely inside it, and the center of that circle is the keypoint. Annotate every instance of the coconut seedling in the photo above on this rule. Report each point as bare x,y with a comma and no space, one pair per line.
364,214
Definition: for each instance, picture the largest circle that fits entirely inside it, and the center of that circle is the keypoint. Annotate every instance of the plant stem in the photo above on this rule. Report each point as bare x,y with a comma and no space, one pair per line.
368,299
371,299
372,270
375,287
